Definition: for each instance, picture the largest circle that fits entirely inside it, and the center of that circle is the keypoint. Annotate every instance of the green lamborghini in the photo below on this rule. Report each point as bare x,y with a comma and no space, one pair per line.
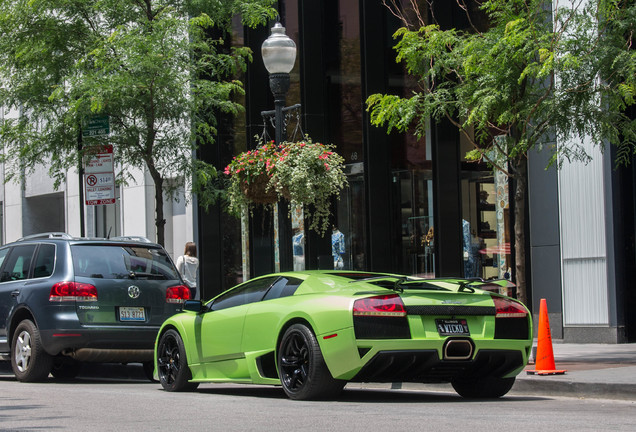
312,332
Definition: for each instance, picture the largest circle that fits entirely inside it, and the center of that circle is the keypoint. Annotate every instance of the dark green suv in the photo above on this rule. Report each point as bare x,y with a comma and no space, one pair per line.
65,300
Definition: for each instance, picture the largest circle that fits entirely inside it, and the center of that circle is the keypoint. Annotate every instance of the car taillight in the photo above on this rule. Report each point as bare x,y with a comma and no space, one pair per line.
384,305
508,308
73,291
177,294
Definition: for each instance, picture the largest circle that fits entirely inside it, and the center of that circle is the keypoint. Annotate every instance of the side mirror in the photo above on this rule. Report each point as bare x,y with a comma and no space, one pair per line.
193,306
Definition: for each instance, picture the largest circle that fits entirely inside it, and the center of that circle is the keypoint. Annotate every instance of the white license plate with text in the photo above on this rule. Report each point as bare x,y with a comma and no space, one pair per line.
449,327
132,314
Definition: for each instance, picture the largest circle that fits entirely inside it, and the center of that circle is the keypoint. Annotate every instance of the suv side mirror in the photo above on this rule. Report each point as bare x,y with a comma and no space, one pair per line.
193,306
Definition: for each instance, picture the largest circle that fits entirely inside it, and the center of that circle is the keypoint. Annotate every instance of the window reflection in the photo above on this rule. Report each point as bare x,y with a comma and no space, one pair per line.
485,223
414,189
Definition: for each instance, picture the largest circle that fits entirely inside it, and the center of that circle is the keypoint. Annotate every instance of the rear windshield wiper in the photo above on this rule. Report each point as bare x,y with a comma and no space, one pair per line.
135,275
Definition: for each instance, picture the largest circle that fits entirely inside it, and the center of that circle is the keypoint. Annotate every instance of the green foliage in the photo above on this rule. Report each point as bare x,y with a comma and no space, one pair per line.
152,67
306,173
523,78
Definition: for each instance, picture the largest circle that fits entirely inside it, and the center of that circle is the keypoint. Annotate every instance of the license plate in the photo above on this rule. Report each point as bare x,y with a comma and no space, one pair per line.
451,327
132,314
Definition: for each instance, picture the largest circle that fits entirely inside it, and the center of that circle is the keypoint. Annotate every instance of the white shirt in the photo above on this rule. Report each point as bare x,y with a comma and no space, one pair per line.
187,267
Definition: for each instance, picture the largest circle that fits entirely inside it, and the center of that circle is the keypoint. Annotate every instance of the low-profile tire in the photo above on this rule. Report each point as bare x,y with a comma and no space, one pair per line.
172,363
29,361
483,388
65,368
301,366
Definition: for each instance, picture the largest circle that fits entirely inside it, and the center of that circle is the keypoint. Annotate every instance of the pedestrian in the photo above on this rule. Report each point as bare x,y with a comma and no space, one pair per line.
188,266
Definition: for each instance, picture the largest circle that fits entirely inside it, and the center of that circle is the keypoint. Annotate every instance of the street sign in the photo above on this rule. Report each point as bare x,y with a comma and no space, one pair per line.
96,126
99,176
99,160
100,188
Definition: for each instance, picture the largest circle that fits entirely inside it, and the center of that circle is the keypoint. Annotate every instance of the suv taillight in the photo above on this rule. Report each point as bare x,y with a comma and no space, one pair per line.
73,291
508,308
177,294
384,305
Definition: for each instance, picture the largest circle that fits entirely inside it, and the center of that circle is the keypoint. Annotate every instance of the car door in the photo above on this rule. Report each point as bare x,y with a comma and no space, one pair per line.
14,273
220,337
264,318
5,305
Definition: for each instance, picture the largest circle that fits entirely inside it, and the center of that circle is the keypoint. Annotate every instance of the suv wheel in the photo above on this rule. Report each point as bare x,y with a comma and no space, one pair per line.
28,359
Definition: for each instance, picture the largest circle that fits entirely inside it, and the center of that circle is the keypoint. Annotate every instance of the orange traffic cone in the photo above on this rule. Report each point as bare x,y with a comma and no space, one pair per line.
544,363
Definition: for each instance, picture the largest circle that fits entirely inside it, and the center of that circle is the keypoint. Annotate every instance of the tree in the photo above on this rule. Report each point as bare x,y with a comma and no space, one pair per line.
151,66
529,72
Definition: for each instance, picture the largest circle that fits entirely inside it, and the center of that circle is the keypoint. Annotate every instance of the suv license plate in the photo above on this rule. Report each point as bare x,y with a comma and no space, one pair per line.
132,314
451,327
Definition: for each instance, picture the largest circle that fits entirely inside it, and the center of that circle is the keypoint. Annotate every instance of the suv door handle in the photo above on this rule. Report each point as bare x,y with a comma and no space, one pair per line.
15,293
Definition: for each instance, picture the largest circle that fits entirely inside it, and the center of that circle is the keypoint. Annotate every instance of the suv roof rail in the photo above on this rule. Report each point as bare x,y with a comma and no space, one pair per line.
131,238
46,235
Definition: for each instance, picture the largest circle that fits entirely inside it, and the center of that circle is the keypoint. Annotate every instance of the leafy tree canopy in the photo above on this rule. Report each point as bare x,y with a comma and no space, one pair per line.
162,71
531,71
526,73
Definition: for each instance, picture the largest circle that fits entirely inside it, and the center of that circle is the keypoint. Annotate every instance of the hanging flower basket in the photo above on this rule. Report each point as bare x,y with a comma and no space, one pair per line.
250,175
303,172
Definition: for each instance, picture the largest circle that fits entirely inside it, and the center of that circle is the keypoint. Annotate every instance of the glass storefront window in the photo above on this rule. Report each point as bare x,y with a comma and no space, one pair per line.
485,221
298,238
415,191
348,243
343,72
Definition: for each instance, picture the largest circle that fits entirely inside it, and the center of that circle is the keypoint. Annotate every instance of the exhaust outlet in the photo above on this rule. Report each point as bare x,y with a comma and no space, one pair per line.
458,349
95,355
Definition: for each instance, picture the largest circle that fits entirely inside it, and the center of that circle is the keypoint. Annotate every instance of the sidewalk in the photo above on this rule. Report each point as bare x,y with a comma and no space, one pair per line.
606,371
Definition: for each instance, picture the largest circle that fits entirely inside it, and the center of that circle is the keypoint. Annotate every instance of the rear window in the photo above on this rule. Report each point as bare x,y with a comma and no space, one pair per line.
122,262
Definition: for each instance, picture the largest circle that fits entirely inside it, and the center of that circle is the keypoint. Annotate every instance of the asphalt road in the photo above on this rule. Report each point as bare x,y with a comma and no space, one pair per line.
119,399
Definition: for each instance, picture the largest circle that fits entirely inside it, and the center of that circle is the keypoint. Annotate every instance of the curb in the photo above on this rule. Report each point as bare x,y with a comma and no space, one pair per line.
581,390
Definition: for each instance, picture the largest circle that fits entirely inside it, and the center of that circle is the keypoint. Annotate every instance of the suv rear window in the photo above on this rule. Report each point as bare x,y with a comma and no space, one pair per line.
122,262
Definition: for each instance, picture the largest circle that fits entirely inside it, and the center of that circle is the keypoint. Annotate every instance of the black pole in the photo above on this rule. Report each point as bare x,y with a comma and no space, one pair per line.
81,180
279,83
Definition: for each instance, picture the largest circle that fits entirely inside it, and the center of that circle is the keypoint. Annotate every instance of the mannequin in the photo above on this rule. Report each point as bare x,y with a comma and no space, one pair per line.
337,248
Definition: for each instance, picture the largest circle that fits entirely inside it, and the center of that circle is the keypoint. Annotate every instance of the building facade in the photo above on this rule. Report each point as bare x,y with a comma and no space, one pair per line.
413,206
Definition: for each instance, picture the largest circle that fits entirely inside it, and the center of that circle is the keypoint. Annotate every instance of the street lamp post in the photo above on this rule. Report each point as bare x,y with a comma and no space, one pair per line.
279,56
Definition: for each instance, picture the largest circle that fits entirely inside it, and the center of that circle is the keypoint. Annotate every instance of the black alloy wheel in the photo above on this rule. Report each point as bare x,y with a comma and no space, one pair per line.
172,364
301,366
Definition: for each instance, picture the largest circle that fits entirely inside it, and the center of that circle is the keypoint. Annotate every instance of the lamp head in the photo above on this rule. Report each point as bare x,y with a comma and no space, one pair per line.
278,51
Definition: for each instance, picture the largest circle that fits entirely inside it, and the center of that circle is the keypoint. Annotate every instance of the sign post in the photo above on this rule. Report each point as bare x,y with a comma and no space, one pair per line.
99,177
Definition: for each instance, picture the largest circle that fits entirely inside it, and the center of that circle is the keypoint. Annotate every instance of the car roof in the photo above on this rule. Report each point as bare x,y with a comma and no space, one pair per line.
59,237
